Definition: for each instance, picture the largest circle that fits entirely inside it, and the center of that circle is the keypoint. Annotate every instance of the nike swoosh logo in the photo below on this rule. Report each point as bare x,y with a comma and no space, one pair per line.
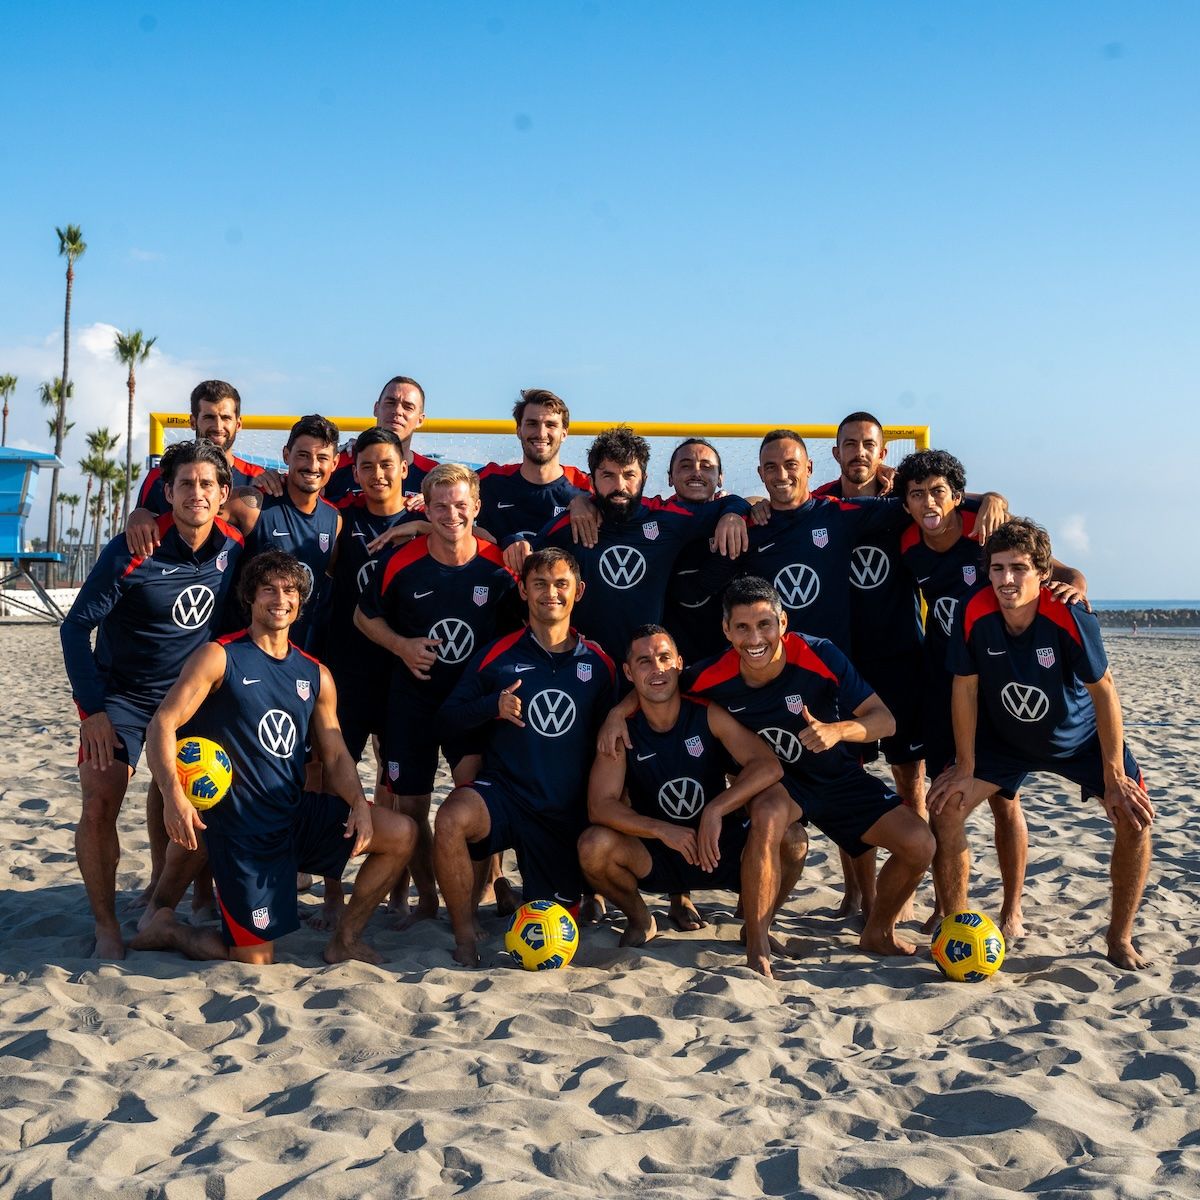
742,709
698,604
766,547
926,579
359,534
997,653
171,570
506,506
520,669
918,746
279,533
643,757
250,681
422,595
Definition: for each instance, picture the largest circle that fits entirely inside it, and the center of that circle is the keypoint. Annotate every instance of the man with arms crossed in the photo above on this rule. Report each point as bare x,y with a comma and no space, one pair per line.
539,695
150,614
1033,692
262,699
664,819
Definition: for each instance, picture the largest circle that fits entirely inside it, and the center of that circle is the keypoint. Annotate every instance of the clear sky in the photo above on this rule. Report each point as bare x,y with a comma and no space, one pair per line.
980,217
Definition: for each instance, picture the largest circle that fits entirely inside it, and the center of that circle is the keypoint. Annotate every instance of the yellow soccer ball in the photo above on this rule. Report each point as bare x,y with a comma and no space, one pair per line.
542,936
968,947
204,770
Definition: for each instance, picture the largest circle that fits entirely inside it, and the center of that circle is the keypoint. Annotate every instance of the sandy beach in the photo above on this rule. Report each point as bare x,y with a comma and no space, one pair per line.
671,1072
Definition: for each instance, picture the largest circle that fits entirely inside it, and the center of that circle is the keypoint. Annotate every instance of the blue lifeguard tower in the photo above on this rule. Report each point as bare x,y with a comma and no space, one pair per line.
18,486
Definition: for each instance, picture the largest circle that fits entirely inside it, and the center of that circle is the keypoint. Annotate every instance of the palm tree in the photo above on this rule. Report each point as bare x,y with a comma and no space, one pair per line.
7,384
117,490
132,348
70,245
71,501
101,442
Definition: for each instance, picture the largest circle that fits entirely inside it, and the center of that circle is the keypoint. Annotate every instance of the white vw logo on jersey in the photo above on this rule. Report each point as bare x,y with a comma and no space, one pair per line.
1024,701
551,712
944,611
193,606
869,567
681,797
622,566
457,638
312,583
364,575
277,733
798,585
786,745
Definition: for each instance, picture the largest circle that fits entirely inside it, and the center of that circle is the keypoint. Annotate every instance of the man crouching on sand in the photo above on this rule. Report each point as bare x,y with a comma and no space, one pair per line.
666,820
262,699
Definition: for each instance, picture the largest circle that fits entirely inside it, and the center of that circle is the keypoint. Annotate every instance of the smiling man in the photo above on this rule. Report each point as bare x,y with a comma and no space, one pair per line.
1033,692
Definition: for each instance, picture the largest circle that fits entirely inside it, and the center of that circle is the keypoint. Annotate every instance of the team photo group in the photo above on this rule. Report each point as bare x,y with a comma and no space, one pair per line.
637,697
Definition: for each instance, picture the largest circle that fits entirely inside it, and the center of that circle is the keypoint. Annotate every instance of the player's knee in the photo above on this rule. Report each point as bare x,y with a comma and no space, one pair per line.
771,812
947,822
394,834
458,815
795,843
596,846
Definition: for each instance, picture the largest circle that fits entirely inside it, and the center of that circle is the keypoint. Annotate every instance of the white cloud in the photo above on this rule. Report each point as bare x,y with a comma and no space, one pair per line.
1073,534
139,255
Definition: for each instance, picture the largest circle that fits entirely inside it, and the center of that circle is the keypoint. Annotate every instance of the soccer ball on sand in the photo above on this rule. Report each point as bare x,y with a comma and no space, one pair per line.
204,770
968,947
542,936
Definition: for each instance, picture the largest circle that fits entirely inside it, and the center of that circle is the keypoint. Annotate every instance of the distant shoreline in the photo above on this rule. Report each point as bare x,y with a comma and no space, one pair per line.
1149,618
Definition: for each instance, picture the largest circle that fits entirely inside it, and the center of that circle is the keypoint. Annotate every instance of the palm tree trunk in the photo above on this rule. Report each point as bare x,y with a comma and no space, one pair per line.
60,428
128,450
97,521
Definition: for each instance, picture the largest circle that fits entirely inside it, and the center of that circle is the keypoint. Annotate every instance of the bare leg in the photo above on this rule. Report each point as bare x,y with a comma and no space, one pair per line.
1012,849
156,830
684,915
463,818
98,851
204,905
326,918
612,863
1129,868
910,787
771,814
420,865
852,893
162,931
951,860
180,867
911,847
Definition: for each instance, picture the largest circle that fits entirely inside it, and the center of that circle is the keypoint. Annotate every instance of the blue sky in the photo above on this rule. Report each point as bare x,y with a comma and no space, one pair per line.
983,218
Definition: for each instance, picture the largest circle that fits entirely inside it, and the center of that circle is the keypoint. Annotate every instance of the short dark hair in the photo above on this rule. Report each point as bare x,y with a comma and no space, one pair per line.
1024,536
620,445
395,379
201,450
272,564
695,441
926,464
548,556
377,436
543,398
314,426
214,391
782,435
750,589
645,631
865,417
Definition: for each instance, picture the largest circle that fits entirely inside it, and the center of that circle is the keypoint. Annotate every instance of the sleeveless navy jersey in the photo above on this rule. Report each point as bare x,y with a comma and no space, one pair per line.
672,775
628,570
1032,696
153,495
565,697
514,509
309,537
885,607
341,482
149,613
464,607
816,675
346,649
260,716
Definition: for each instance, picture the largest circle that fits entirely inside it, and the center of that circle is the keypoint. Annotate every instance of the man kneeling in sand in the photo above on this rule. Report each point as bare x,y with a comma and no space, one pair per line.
1033,692
262,699
665,818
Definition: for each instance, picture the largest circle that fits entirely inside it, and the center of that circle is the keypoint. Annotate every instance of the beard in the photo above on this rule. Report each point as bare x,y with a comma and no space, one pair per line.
617,508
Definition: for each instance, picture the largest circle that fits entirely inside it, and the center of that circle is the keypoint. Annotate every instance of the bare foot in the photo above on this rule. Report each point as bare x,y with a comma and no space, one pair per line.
425,909
592,910
760,964
205,914
685,916
1012,926
344,949
466,954
154,930
851,904
1126,956
506,898
109,943
774,945
907,911
636,935
932,921
888,946
326,918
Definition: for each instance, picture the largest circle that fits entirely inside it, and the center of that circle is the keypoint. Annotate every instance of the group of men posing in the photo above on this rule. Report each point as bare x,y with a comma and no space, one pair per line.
634,694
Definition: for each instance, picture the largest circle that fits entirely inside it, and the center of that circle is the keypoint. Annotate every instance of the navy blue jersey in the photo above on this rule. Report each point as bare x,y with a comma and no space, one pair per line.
628,570
1032,696
346,649
885,607
464,607
816,675
693,607
153,495
149,613
308,537
565,697
514,509
259,715
342,483
672,775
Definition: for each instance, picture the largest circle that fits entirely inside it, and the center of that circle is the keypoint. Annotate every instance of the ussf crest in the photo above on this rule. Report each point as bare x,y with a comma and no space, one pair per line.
222,560
968,574
583,671
480,596
795,704
820,538
323,540
303,688
1045,656
695,747
261,918
650,529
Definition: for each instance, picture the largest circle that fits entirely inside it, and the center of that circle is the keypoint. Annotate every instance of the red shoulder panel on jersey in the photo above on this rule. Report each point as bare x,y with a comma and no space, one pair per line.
658,504
700,701
226,638
498,469
578,478
500,645
229,531
561,523
426,464
909,538
312,658
151,479
832,488
492,553
726,667
981,604
417,549
349,500
800,654
830,498
968,522
331,504
247,468
608,662
1058,612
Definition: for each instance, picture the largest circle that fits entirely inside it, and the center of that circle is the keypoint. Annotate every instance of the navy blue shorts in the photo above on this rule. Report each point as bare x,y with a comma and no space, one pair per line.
997,764
130,717
671,873
844,809
897,682
547,853
410,747
256,883
362,707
